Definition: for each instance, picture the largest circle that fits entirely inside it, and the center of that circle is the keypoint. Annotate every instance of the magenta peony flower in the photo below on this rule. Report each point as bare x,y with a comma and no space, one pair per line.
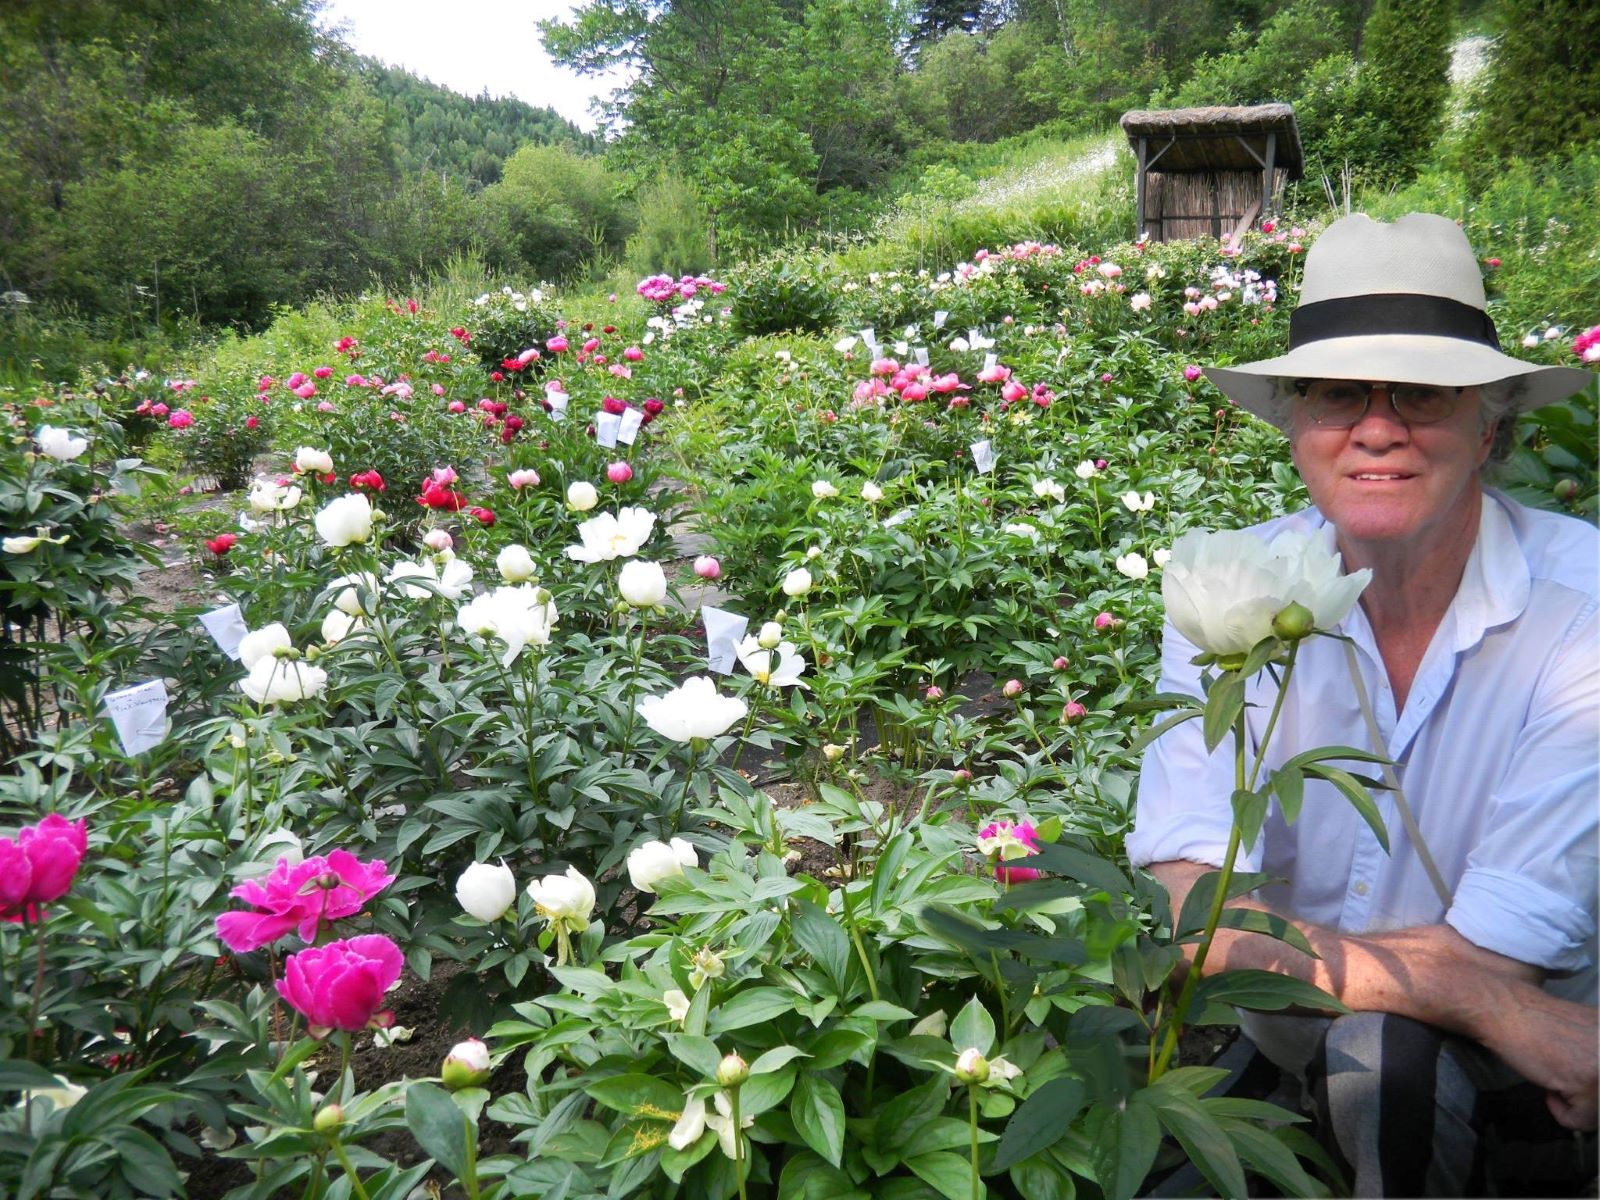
341,985
301,896
52,851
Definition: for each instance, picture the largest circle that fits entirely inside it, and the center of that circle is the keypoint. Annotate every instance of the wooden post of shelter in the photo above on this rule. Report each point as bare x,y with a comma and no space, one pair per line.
1221,170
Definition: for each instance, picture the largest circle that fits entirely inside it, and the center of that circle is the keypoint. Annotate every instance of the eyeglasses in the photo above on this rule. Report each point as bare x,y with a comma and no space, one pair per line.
1341,403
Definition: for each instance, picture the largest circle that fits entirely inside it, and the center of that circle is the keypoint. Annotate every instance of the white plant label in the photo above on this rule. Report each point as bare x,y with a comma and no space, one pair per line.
606,426
558,403
140,715
226,627
983,456
870,337
920,356
939,318
900,518
628,425
724,632
990,361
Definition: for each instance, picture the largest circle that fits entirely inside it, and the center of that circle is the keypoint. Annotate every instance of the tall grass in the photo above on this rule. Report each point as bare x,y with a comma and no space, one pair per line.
1074,191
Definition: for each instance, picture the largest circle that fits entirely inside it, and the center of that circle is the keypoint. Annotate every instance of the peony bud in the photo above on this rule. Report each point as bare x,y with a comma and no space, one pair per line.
486,891
642,584
1012,688
707,567
328,1119
619,472
1294,622
582,496
769,637
1060,663
732,1071
515,564
1073,712
972,1067
438,540
833,752
934,692
467,1065
797,582
1565,489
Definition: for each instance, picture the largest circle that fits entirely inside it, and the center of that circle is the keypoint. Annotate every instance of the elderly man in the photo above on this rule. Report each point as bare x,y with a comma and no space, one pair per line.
1473,663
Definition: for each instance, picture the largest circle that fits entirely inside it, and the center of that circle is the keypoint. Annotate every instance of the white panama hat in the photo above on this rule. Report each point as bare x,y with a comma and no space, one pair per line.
1400,303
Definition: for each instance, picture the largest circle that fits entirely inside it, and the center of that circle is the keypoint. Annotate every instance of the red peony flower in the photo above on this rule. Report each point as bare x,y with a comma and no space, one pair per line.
222,543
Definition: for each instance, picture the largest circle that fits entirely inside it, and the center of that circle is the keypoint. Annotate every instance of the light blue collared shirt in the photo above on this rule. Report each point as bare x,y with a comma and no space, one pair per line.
1498,750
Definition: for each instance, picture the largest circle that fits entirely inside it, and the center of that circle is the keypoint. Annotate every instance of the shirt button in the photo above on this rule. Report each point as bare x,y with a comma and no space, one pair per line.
1360,889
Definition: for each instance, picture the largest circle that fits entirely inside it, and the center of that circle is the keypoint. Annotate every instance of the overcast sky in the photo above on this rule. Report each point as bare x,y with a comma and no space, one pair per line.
469,45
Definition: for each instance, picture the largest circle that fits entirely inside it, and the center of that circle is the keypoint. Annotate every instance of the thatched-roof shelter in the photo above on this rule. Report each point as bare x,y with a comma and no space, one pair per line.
1211,172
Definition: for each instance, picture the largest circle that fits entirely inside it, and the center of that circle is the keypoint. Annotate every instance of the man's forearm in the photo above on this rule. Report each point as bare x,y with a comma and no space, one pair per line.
1430,973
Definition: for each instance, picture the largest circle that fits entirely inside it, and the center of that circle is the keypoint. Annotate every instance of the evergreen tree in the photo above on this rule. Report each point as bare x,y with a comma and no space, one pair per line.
1405,53
1542,94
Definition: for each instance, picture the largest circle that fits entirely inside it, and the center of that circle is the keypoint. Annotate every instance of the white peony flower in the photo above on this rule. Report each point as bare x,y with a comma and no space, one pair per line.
405,570
28,543
267,496
1132,502
309,460
1133,565
677,1004
515,564
797,582
1161,556
1222,589
651,862
607,537
345,521
821,489
690,1125
871,492
455,578
642,584
338,625
721,1122
582,496
283,681
64,1095
1085,470
518,616
564,900
1023,529
694,710
759,661
263,643
486,891
1049,489
347,591
59,444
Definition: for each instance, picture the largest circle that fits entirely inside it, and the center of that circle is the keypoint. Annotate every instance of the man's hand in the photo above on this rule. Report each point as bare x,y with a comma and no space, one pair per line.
1551,1042
1431,974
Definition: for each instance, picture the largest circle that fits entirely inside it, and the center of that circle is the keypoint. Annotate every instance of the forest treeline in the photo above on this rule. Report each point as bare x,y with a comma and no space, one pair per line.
174,163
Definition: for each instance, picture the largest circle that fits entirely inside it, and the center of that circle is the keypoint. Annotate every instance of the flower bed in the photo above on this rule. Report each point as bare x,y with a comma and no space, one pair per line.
462,714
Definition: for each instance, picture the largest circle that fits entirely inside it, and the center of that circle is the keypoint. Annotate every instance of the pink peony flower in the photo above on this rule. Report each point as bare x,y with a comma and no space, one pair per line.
324,406
1106,621
305,391
295,380
1012,391
556,345
633,354
40,865
994,374
323,372
523,478
181,418
619,472
301,896
341,985
1006,841
444,476
1191,373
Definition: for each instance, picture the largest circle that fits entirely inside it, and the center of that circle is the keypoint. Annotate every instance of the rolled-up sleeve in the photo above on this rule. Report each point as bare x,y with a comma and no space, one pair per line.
1529,887
1183,809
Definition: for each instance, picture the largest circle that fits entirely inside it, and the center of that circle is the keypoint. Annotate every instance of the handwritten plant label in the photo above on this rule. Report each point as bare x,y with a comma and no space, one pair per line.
139,714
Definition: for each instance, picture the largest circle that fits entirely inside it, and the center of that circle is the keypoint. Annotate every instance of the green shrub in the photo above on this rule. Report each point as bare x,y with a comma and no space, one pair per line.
778,296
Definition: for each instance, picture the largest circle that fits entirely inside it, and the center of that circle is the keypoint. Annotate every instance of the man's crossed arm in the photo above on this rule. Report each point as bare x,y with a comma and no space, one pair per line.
1431,974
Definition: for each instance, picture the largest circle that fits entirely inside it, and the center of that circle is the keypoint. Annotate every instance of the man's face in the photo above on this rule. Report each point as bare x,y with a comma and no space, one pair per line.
1384,482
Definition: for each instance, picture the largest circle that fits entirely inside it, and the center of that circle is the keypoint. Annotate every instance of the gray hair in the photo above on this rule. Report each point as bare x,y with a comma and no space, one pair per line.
1499,404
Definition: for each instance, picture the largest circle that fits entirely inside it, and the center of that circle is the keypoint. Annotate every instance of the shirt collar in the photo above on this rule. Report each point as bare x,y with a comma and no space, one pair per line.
1496,583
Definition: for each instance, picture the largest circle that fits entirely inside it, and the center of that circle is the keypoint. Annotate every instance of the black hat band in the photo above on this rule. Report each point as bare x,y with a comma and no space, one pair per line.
1390,313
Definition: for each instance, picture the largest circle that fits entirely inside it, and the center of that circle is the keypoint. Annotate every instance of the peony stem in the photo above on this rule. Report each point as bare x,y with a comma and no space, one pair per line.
738,1140
972,1123
1191,980
633,688
349,1169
